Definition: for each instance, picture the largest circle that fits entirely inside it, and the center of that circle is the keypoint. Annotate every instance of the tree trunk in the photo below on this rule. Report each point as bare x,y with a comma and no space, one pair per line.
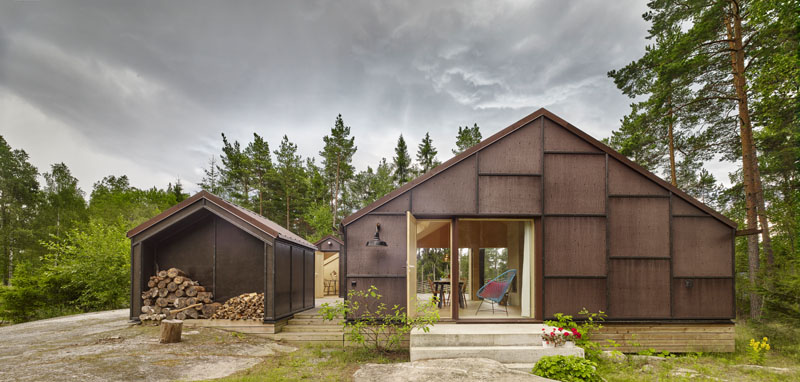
746,132
171,331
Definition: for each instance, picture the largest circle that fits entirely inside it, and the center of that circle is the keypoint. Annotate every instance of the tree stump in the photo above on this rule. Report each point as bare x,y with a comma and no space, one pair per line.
171,331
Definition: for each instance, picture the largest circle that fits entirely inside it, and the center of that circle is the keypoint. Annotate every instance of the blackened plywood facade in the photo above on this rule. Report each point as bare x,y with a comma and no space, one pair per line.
609,235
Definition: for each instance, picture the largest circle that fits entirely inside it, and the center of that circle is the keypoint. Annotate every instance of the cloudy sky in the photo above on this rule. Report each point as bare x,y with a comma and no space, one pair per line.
145,88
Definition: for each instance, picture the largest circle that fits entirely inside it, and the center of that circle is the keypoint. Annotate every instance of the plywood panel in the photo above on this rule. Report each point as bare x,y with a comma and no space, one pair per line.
639,288
190,249
398,205
240,262
682,207
510,194
703,298
557,138
569,296
575,246
283,287
377,260
639,227
574,184
702,247
518,152
450,192
298,267
623,180
392,290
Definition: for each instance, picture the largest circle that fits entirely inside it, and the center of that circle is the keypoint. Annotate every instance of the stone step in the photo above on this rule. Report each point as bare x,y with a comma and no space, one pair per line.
502,354
524,367
309,336
479,335
312,328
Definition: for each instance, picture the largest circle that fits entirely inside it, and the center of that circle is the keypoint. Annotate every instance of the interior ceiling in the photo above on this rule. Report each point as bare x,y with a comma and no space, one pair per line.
471,233
433,234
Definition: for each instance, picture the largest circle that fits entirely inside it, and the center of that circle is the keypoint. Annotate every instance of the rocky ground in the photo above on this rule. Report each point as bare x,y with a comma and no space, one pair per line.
103,346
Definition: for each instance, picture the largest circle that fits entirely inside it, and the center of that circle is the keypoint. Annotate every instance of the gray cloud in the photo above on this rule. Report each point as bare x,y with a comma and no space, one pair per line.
153,84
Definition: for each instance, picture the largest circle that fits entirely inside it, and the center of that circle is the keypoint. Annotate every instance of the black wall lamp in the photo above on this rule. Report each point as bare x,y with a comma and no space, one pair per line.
376,240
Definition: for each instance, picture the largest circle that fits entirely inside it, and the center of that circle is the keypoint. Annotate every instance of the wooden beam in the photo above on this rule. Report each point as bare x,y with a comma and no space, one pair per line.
748,232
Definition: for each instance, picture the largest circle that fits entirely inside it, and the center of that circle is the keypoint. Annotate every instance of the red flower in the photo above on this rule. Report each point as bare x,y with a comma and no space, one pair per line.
579,335
566,334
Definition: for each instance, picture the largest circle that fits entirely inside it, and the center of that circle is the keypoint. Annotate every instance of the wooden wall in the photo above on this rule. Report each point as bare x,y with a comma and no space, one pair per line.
613,239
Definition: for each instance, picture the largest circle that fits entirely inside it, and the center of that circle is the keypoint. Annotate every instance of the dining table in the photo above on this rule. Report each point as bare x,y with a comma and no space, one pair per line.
441,283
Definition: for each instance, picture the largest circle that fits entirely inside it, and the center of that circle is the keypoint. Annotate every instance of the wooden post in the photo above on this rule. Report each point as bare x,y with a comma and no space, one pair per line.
171,331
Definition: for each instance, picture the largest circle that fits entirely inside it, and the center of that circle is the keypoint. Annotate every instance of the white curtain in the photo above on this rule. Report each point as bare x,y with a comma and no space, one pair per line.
527,271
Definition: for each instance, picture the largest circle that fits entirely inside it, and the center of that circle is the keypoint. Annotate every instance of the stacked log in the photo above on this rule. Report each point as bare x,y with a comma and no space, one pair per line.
248,306
173,294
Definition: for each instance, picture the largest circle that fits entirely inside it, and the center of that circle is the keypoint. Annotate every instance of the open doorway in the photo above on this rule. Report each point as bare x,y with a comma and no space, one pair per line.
433,263
496,267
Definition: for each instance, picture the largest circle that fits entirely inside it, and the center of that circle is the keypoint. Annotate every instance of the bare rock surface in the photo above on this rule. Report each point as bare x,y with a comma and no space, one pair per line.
103,346
443,370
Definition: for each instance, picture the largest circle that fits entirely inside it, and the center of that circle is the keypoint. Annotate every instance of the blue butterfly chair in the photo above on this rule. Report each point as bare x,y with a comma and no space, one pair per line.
495,289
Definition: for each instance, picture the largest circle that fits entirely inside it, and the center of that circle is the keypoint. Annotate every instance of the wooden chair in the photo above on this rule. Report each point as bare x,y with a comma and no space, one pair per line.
331,284
433,289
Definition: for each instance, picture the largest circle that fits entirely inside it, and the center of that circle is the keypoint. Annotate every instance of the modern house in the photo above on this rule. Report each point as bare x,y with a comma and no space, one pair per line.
580,226
230,250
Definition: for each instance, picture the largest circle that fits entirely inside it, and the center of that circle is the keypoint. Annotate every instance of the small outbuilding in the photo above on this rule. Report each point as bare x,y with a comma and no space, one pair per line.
555,221
228,249
327,264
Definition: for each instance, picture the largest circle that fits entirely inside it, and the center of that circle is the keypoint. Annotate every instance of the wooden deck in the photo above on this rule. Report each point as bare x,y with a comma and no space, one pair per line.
676,338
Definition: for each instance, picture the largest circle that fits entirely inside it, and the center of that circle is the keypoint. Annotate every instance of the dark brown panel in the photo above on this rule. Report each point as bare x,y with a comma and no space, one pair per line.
449,192
516,153
575,246
557,138
191,249
703,298
283,287
240,262
569,296
136,281
392,290
622,180
308,289
682,207
377,260
639,288
297,278
702,247
399,204
269,307
574,184
510,194
639,227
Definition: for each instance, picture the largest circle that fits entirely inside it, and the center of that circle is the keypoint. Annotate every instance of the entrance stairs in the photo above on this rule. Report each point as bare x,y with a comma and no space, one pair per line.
309,328
518,346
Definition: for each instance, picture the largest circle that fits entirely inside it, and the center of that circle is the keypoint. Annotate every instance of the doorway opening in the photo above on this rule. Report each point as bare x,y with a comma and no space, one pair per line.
433,263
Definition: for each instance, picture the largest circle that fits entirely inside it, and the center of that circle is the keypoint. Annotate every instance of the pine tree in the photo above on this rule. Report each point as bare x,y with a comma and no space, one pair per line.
64,205
235,172
337,158
466,138
426,154
261,170
19,194
402,163
290,183
211,181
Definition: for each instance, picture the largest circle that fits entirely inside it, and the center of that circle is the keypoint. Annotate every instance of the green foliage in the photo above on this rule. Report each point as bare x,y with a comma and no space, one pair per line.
337,163
261,172
466,138
567,368
373,324
88,270
403,171
589,324
290,185
426,155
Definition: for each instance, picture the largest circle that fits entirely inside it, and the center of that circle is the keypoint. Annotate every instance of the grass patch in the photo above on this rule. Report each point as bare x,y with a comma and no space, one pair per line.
315,362
735,366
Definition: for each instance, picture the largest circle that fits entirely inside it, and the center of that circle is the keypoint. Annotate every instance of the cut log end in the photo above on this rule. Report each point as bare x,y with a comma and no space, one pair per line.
171,331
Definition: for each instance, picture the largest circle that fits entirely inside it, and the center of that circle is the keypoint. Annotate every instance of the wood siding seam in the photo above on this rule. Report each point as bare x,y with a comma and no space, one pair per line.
692,216
639,257
508,174
671,263
542,196
704,277
559,152
637,196
477,182
608,246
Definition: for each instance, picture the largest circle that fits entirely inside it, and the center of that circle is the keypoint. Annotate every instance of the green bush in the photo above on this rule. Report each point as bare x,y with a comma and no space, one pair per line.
567,369
591,323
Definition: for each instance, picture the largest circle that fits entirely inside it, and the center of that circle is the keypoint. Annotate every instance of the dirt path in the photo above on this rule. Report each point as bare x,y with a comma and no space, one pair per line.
103,346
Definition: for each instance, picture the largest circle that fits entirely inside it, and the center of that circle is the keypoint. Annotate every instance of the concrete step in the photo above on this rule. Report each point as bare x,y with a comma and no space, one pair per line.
524,367
502,354
312,328
479,335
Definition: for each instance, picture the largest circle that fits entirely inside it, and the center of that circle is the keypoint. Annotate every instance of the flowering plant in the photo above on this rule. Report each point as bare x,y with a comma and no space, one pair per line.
558,336
758,350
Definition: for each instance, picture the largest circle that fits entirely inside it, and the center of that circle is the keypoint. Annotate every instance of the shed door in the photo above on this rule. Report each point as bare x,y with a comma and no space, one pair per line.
411,265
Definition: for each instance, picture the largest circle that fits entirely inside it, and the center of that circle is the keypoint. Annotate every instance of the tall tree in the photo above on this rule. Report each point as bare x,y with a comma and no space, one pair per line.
212,181
235,172
426,154
19,193
337,158
467,137
402,163
290,182
260,162
64,204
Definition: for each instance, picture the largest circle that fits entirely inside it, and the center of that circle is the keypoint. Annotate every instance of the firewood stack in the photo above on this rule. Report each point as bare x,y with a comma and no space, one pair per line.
172,295
248,306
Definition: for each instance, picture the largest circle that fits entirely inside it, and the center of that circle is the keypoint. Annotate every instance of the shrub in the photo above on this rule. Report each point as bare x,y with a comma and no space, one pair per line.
567,368
591,323
372,324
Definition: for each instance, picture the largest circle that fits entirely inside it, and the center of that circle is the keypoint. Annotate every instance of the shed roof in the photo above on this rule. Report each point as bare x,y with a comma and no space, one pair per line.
259,222
510,129
329,237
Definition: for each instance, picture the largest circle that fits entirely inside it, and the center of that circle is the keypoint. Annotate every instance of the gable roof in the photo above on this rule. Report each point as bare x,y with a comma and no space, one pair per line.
516,126
259,222
329,237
